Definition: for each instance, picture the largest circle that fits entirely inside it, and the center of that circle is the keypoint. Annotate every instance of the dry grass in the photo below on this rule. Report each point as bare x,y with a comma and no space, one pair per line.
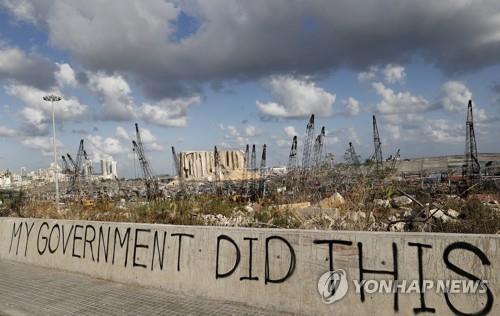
357,213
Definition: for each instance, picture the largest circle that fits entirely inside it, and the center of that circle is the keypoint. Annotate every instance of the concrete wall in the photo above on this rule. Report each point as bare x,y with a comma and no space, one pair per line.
271,268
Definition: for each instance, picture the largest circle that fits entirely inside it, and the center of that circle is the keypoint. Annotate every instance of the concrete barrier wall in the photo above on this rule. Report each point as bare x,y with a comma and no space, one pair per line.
271,268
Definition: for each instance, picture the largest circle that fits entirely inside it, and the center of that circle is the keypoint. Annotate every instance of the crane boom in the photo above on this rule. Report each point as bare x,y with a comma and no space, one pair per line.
152,186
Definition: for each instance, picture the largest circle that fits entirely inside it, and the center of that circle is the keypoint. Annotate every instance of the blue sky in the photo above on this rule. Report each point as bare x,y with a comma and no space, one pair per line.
195,74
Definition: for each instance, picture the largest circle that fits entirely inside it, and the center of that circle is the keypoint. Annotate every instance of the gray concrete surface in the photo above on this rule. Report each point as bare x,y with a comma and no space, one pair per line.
273,269
31,290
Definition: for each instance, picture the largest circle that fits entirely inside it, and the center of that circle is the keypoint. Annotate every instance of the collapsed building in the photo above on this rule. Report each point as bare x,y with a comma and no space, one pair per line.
200,165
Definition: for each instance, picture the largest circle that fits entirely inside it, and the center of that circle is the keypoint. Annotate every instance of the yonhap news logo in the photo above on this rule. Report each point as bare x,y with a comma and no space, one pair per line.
333,286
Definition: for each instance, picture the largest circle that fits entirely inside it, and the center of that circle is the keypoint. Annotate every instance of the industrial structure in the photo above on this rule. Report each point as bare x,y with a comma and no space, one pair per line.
198,165
377,154
151,183
308,144
352,157
238,174
472,167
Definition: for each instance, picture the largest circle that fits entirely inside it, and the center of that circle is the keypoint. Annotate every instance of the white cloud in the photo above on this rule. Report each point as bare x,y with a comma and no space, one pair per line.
296,98
6,132
369,75
416,128
37,113
244,40
11,59
118,104
168,112
394,131
233,136
480,115
290,131
443,131
454,96
99,147
342,136
22,9
394,73
393,102
115,94
35,122
65,75
122,133
352,106
285,138
29,69
281,142
44,144
66,109
148,139
252,131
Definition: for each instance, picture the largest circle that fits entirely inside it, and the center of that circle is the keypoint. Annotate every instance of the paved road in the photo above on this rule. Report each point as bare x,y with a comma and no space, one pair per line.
31,290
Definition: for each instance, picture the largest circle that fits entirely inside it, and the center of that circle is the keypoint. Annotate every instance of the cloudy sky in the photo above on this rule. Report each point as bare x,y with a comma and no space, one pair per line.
199,73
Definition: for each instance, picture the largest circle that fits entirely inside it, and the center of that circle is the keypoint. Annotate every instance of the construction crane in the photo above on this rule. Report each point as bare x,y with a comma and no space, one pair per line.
308,143
472,167
292,158
76,170
395,159
262,182
292,166
66,168
246,166
319,148
152,186
253,169
217,171
352,156
72,162
377,155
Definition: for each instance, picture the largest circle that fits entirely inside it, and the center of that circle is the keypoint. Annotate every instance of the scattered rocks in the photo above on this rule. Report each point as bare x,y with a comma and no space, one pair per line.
408,213
382,203
397,227
356,216
123,204
335,200
294,206
452,213
400,201
217,220
443,216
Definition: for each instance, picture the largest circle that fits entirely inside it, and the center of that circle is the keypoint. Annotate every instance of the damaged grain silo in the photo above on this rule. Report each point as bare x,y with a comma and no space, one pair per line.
200,165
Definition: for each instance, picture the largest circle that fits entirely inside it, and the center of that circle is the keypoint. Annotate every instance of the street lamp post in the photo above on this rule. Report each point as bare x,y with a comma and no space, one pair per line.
54,98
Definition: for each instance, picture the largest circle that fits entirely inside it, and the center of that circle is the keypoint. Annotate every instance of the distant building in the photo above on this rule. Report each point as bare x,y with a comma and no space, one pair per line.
87,169
108,169
5,180
453,163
